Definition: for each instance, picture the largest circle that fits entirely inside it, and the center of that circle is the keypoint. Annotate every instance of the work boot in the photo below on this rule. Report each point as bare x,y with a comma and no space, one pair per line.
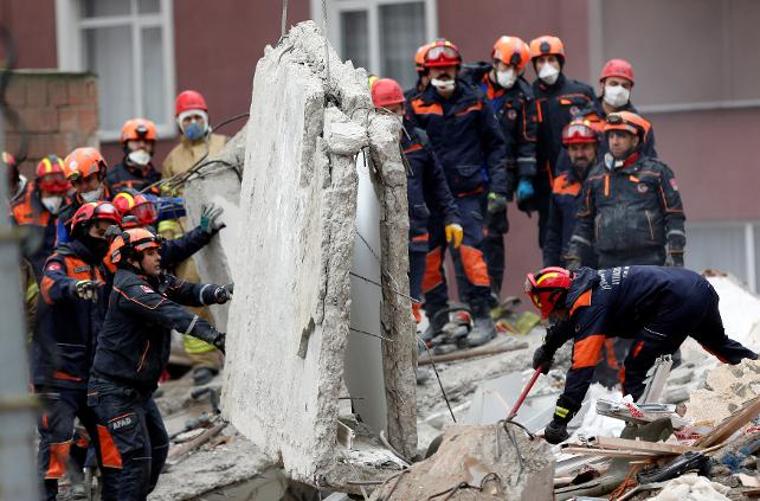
483,331
435,325
203,375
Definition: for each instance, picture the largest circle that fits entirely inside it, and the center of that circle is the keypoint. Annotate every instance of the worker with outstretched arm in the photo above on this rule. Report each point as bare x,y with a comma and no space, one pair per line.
657,307
133,350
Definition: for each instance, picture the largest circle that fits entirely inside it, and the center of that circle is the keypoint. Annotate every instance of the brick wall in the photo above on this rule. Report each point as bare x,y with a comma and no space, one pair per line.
58,110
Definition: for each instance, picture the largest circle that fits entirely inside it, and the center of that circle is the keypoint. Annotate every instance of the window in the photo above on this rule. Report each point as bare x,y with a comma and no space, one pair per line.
380,35
128,44
729,246
687,54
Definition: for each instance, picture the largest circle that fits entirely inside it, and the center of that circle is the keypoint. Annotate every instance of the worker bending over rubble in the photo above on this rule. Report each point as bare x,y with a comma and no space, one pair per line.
657,307
133,350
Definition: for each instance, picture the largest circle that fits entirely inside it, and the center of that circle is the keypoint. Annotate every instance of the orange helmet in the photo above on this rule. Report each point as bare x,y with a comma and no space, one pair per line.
617,68
548,288
387,92
419,56
629,122
579,131
442,53
84,162
546,45
91,212
511,50
50,176
138,128
137,205
133,240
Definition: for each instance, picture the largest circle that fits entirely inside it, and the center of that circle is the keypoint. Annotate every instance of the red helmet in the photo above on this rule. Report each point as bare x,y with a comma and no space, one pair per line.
629,122
83,162
91,212
548,288
138,128
511,50
50,176
137,205
617,68
579,131
547,45
442,53
387,92
189,100
132,240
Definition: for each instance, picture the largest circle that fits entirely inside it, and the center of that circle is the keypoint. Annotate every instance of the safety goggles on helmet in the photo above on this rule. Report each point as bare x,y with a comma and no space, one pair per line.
145,213
548,288
53,183
442,55
578,132
134,240
616,122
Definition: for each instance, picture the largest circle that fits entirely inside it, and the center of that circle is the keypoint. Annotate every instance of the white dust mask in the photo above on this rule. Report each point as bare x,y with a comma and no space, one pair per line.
53,203
548,74
506,78
443,85
616,95
139,157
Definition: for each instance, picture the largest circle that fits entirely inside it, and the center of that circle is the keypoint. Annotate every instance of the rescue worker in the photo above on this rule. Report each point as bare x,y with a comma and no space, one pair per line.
631,211
422,72
71,310
656,307
139,212
582,142
196,143
427,190
136,171
85,169
133,349
616,81
466,136
558,99
510,97
38,208
16,181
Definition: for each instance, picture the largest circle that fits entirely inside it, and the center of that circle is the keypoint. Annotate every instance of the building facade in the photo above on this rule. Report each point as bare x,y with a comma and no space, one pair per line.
696,78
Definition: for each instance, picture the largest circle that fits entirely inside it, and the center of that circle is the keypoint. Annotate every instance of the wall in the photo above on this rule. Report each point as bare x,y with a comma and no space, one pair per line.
58,110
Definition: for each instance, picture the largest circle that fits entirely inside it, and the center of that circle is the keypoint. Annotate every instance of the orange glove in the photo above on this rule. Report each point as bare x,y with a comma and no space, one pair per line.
454,234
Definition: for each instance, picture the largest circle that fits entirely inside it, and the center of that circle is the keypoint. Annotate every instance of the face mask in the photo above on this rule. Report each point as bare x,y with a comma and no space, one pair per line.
53,204
92,196
443,85
506,78
548,74
97,246
194,131
616,96
139,157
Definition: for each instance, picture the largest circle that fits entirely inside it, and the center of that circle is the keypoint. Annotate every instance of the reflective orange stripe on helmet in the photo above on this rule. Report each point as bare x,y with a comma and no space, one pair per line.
511,50
629,122
132,240
546,45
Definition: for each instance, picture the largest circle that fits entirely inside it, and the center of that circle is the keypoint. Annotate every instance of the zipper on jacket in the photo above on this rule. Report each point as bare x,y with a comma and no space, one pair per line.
607,185
649,220
144,355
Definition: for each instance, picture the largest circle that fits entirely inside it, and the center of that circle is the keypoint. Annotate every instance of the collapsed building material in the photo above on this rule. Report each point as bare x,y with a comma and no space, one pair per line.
727,388
477,463
692,487
510,345
311,114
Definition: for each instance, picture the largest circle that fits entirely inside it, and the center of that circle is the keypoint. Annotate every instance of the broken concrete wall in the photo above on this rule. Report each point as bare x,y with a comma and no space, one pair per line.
218,182
289,320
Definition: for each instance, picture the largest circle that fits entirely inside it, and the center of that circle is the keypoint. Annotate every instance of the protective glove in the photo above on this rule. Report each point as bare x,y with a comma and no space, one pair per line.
496,203
556,432
543,357
220,341
454,234
224,293
525,189
87,289
674,259
210,222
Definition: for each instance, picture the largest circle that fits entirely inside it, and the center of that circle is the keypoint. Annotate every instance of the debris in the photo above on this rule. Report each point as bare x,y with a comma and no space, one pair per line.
486,351
478,462
692,487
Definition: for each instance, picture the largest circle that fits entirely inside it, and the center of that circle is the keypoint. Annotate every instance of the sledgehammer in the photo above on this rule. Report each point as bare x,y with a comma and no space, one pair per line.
524,394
